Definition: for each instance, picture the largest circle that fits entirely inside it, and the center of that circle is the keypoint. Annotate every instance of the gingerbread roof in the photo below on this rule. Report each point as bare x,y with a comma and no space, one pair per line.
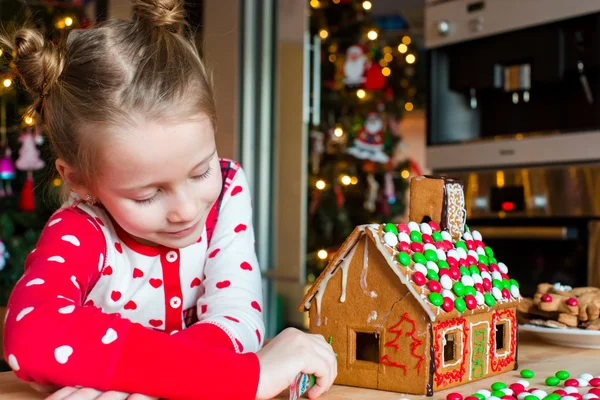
447,278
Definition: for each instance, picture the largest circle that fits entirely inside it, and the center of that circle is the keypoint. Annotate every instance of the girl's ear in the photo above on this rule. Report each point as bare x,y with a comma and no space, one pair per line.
69,175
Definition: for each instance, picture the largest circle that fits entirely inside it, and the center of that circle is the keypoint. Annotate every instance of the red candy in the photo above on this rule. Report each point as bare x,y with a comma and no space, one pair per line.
471,302
454,396
452,262
595,391
483,268
507,397
478,287
472,398
560,392
462,262
434,286
405,247
487,284
448,306
434,226
448,245
569,382
471,260
471,245
419,278
416,247
403,228
479,243
494,268
595,382
444,271
505,276
573,302
426,238
439,245
577,396
517,388
546,298
455,273
505,293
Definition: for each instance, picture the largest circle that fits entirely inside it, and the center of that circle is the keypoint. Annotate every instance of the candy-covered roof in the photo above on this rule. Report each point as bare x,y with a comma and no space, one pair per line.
447,278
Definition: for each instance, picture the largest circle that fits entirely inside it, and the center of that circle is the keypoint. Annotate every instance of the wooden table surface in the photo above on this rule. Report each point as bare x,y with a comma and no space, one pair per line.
543,359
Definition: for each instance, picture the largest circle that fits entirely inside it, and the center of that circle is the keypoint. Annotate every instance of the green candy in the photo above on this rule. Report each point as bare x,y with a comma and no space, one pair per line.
431,255
498,394
432,275
479,396
467,228
474,270
464,271
462,244
531,397
391,228
492,260
562,375
404,258
416,237
442,264
489,300
513,282
552,396
506,284
527,374
437,236
460,306
436,299
483,260
458,289
552,381
419,258
489,251
470,290
497,284
497,386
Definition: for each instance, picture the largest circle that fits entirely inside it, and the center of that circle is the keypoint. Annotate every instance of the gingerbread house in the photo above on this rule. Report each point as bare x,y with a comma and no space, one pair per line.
417,307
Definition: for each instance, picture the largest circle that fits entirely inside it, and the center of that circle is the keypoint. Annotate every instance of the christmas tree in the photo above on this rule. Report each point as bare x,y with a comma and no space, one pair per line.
371,75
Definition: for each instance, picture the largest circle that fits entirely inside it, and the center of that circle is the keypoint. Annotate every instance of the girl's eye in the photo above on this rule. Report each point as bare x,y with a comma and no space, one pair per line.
146,202
204,175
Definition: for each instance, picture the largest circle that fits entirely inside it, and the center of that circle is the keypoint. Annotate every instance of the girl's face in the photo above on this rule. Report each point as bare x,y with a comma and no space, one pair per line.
160,180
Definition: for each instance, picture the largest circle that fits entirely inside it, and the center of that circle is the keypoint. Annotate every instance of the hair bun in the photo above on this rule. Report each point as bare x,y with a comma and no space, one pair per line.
168,14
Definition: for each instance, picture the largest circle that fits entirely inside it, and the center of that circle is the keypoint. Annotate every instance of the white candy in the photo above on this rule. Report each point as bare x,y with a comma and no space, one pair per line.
485,392
540,394
570,389
454,254
480,299
446,236
467,280
390,239
446,282
413,226
514,291
480,251
506,391
497,275
433,266
589,396
568,398
583,382
493,398
446,292
476,235
477,278
403,237
497,295
461,253
503,268
429,246
425,228
441,254
522,395
473,254
485,275
586,376
467,236
420,268
523,382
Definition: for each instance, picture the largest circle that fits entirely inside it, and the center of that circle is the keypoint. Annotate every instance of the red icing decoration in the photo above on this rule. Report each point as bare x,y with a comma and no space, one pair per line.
546,298
405,247
434,286
572,382
454,396
434,226
573,302
416,342
595,382
471,302
448,304
499,363
416,247
419,278
403,228
457,374
427,238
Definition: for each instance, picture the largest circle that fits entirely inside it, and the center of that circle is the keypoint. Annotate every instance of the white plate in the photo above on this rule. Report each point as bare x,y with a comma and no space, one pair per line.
583,338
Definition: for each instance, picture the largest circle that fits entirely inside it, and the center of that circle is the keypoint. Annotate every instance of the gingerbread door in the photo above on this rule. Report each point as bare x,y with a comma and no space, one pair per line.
479,357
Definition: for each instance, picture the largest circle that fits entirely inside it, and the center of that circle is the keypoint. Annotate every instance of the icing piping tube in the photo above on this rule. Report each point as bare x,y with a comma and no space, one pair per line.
303,382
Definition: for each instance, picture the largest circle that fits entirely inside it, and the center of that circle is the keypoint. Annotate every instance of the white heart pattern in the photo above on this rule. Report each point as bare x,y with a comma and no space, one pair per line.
63,353
24,312
36,281
71,239
54,221
12,361
57,259
67,309
110,336
74,280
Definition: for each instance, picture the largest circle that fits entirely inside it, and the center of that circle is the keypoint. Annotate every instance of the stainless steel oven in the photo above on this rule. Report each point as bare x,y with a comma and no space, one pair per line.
543,222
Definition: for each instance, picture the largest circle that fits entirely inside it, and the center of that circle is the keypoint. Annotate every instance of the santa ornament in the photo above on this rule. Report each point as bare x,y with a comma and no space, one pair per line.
29,160
368,144
355,66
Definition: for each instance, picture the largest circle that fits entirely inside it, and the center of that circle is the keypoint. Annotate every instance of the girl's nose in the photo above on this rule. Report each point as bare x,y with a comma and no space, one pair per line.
182,209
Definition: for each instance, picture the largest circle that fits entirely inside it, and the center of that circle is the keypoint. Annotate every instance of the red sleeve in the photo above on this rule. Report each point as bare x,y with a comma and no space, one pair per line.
52,338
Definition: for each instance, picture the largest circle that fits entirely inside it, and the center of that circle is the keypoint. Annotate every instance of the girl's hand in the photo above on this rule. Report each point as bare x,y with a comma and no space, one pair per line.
291,352
71,393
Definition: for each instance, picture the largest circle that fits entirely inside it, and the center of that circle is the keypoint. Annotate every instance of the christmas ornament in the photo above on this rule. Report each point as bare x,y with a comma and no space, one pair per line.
374,79
354,66
7,173
316,150
29,160
369,142
3,255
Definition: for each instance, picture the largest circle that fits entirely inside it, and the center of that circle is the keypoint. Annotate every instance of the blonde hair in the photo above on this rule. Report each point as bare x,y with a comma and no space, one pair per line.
112,75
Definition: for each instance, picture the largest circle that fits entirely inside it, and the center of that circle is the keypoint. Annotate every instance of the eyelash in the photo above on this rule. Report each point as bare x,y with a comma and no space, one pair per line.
152,199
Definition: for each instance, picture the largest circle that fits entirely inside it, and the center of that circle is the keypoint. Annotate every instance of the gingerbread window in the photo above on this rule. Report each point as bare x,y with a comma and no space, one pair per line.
501,336
450,350
367,347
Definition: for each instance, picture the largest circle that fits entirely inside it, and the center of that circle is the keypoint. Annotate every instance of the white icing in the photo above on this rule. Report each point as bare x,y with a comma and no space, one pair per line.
497,275
514,292
477,278
420,268
448,293
446,282
462,254
446,236
433,266
497,293
503,268
473,254
403,237
458,332
485,352
413,226
363,273
426,229
476,235
441,254
455,209
467,280
429,246
372,316
344,267
390,239
467,236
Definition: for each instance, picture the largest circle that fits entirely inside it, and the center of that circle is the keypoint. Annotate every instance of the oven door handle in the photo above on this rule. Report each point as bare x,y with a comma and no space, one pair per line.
527,232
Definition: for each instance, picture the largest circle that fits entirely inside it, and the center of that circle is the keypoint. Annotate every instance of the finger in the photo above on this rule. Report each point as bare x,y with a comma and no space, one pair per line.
112,395
62,393
137,396
46,389
320,368
84,394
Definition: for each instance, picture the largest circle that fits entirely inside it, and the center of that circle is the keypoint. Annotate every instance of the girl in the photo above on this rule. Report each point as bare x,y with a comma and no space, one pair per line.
146,280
